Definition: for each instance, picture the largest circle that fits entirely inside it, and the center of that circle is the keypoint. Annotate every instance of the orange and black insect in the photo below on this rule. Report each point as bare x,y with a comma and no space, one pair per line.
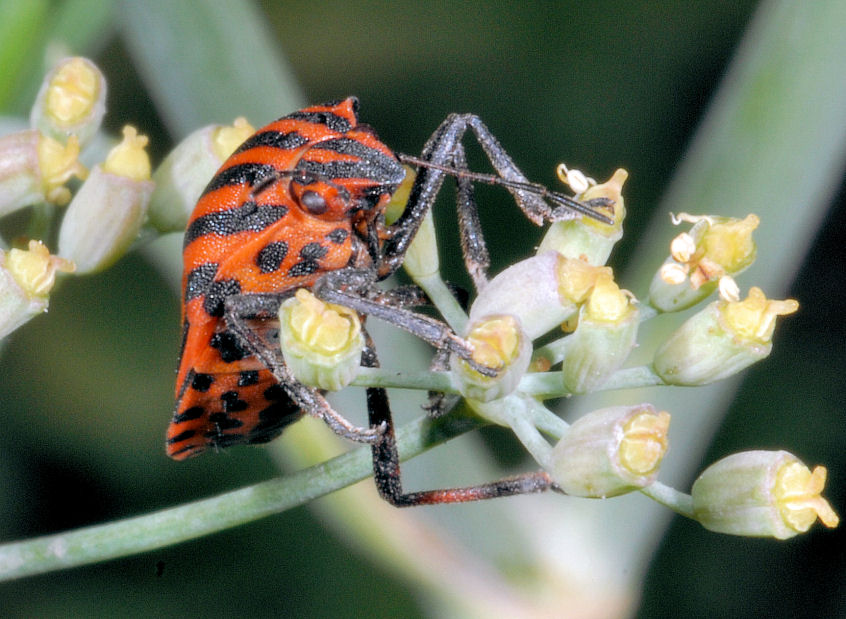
301,204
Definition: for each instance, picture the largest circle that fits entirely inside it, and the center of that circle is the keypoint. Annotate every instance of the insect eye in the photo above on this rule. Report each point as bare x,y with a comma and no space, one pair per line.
313,202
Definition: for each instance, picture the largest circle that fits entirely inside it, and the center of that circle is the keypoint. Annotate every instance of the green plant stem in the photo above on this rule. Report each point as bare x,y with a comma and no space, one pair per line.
543,385
423,380
178,524
671,498
443,299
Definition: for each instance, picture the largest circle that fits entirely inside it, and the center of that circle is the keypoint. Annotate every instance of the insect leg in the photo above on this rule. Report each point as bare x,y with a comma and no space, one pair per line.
443,154
473,248
238,309
355,288
386,465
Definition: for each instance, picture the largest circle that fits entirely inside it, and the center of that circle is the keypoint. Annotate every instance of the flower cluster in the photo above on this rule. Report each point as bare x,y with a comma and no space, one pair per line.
117,199
565,288
616,450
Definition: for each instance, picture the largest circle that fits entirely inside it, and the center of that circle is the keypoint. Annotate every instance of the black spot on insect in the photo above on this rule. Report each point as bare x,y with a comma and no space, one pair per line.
223,422
229,346
273,419
202,382
182,436
338,236
199,279
274,393
270,258
247,378
310,254
217,293
231,402
195,412
313,251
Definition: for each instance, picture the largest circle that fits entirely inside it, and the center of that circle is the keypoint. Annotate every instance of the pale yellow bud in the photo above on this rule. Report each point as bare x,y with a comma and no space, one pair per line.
129,158
225,139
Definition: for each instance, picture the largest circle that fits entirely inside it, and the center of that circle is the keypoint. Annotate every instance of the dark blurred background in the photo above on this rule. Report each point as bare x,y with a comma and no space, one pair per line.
87,389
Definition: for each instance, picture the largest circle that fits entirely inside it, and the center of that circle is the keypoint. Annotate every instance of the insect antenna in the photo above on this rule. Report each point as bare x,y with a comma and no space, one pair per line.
586,208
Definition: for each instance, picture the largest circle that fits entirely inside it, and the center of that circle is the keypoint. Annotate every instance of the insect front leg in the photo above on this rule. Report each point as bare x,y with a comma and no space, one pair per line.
238,310
356,289
443,154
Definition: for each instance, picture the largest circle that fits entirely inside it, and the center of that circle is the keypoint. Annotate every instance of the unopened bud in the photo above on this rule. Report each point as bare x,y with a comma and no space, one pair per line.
611,451
26,278
185,172
721,340
34,169
321,342
604,337
71,101
499,343
542,291
106,213
585,237
761,494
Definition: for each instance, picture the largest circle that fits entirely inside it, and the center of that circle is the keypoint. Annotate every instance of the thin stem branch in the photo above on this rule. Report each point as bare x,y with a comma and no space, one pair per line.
178,524
677,501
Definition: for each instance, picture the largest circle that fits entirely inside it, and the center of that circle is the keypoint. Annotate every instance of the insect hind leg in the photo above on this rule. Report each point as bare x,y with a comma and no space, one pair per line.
238,310
386,462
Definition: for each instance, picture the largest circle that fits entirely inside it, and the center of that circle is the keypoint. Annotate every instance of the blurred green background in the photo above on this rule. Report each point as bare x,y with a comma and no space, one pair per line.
86,390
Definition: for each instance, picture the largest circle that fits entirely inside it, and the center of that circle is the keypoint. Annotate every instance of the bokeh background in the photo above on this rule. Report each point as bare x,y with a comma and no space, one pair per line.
86,390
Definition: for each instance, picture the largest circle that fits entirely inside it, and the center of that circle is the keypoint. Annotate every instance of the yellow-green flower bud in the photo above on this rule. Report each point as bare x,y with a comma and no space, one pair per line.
721,340
761,494
421,260
714,247
399,199
26,278
34,169
71,101
184,173
498,342
321,342
105,215
542,291
603,339
585,237
611,451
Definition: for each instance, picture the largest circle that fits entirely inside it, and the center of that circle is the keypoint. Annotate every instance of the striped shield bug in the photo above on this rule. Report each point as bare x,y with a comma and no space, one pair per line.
301,204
